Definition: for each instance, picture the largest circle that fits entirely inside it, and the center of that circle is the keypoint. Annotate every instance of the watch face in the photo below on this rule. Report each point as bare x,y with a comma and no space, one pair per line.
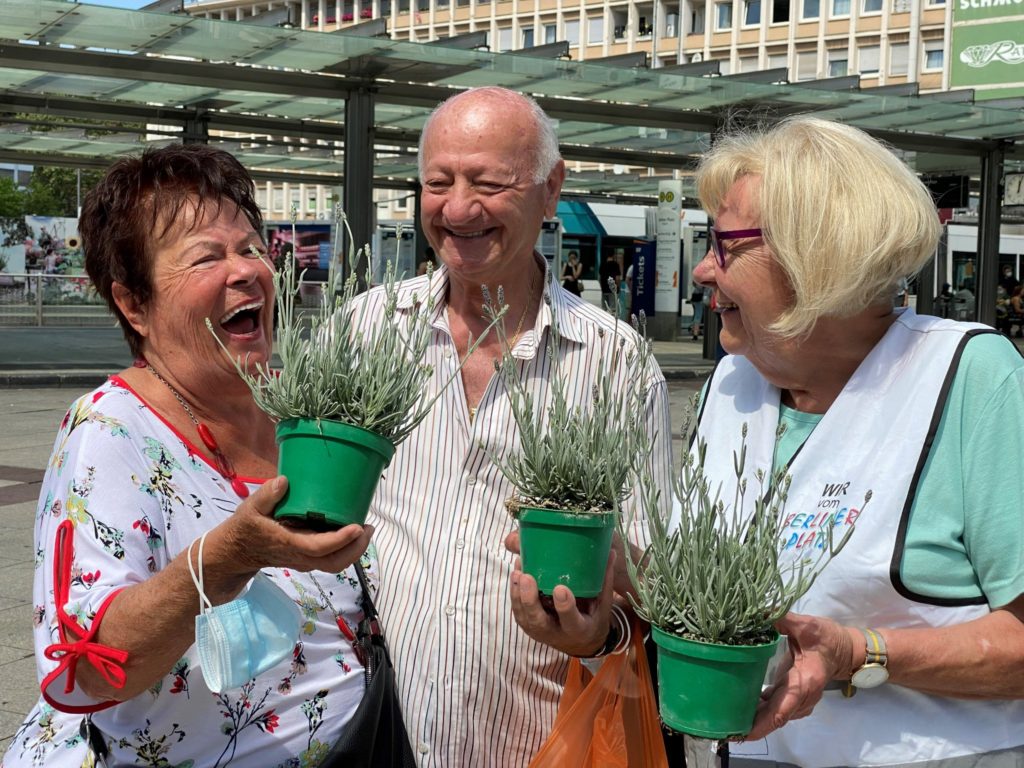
870,676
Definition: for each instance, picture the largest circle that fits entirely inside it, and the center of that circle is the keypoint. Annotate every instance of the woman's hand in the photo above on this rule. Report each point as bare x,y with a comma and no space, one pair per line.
234,551
575,627
821,650
251,539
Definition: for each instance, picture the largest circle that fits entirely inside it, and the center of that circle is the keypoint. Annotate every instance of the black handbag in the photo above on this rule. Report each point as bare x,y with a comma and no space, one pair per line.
375,737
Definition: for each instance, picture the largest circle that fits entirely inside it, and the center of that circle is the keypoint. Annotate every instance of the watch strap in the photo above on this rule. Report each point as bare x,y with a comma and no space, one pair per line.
875,653
875,650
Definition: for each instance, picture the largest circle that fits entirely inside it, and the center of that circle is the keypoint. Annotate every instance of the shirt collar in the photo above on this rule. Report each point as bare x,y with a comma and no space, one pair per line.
411,291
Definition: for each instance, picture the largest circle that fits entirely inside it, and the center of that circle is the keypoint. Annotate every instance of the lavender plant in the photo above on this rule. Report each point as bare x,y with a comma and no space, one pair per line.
583,458
345,367
718,576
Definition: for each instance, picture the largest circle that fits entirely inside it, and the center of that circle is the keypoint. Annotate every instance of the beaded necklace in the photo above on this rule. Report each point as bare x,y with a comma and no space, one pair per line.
206,436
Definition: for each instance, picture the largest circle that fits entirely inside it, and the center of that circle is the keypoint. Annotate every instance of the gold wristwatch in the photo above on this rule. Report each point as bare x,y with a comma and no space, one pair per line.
873,672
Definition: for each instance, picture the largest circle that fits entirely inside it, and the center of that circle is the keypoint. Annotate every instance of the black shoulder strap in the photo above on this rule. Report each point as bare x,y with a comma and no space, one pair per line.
366,599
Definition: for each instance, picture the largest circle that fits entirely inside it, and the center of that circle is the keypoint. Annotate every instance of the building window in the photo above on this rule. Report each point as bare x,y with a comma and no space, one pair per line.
840,8
672,25
807,66
778,61
838,63
934,54
697,20
748,63
780,11
572,32
936,2
505,39
872,6
595,30
723,16
899,58
867,60
402,204
527,37
811,9
752,12
550,33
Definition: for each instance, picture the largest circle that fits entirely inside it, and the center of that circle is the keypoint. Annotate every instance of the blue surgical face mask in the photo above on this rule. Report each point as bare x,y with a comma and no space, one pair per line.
245,637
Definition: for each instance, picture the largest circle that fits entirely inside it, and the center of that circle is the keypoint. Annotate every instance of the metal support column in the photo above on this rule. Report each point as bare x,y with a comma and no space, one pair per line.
926,289
358,189
989,218
421,238
196,130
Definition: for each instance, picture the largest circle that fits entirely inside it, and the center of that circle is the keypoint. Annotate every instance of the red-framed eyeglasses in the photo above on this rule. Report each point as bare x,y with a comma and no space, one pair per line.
718,237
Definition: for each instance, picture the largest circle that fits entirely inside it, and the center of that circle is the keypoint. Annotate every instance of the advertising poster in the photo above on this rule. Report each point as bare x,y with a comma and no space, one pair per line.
312,251
52,247
987,49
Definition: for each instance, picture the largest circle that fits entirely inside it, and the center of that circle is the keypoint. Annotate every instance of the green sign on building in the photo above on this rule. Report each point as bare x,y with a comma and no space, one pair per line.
987,50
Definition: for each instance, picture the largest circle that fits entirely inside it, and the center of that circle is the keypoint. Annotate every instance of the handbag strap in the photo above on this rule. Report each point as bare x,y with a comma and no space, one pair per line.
368,632
366,600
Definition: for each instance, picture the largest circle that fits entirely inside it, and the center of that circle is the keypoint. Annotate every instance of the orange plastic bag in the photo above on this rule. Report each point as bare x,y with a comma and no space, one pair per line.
610,722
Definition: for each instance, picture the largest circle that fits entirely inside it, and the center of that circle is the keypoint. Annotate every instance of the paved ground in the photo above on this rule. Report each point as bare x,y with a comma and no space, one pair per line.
33,364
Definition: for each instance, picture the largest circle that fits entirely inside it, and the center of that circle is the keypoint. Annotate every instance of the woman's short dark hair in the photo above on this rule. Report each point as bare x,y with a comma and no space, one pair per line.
137,203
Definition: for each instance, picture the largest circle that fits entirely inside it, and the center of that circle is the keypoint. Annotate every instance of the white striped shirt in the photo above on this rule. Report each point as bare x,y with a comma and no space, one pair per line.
475,689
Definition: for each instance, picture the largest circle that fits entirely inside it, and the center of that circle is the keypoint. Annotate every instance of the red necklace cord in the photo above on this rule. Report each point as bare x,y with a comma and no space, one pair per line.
205,435
346,630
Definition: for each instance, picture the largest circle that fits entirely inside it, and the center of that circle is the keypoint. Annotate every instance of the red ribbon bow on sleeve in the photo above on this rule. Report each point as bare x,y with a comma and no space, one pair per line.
76,643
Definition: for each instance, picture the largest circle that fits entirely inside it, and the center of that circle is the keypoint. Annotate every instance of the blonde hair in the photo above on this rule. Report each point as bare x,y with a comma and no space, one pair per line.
843,216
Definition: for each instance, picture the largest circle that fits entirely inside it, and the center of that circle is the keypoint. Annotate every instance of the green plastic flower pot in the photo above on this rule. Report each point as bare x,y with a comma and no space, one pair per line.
559,547
332,470
709,690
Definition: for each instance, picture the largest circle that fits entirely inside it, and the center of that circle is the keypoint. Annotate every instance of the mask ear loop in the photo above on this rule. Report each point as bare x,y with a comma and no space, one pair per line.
204,602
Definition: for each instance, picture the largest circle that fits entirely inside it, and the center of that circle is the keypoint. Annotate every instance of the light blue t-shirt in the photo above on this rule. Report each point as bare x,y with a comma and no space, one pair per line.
965,537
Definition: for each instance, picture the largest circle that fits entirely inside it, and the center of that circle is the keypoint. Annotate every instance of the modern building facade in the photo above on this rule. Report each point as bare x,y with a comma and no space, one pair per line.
883,42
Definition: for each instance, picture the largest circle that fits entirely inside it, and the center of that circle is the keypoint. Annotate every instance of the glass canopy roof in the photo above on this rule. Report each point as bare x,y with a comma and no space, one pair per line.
289,87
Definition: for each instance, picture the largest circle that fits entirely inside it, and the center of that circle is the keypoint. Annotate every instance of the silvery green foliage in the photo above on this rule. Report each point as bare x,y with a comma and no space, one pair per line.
718,576
584,458
346,368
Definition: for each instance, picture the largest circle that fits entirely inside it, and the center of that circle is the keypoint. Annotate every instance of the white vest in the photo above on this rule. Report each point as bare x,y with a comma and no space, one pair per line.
876,436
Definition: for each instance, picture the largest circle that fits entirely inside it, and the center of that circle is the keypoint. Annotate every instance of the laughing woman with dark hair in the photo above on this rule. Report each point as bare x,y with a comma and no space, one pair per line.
155,512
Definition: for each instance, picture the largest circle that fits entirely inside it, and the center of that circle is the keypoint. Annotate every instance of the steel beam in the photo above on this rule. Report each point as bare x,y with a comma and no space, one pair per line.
358,188
989,217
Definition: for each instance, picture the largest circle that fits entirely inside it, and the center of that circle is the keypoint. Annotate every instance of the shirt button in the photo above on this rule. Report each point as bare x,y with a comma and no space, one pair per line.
471,481
449,610
460,544
423,748
448,354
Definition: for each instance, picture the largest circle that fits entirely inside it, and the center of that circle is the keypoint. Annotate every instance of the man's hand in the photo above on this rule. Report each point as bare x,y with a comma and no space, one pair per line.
821,651
577,627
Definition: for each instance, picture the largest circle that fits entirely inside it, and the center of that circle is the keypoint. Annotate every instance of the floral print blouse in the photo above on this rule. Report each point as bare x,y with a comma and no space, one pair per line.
138,493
